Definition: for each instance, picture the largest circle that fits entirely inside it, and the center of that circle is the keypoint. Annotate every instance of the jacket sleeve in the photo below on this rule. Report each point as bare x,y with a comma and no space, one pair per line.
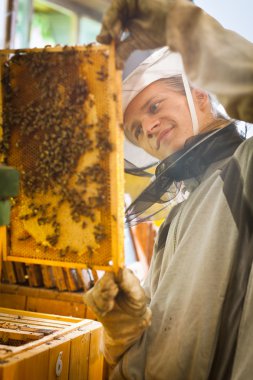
215,58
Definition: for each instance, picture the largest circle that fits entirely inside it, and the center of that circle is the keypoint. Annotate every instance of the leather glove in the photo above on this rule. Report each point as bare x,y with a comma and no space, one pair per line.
119,303
145,21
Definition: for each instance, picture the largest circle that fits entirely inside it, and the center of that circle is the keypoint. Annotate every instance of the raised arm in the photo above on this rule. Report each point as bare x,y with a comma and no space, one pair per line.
215,58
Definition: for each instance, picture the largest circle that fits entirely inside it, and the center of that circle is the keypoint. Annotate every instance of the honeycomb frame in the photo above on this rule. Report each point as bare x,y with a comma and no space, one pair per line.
112,213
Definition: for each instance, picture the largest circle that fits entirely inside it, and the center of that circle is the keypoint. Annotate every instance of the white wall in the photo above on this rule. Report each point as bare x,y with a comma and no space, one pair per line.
232,14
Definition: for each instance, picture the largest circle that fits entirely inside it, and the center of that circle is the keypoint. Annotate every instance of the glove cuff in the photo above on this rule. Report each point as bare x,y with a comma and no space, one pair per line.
116,345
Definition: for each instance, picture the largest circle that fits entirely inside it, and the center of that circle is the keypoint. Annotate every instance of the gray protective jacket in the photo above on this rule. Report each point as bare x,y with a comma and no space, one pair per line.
200,283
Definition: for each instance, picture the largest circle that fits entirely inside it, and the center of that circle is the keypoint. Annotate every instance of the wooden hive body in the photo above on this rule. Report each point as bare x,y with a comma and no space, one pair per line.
42,347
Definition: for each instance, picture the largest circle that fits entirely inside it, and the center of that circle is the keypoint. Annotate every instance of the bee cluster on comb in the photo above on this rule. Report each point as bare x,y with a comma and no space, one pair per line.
60,117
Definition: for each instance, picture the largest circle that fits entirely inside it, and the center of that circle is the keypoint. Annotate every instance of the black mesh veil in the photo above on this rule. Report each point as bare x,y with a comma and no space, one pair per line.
166,187
130,168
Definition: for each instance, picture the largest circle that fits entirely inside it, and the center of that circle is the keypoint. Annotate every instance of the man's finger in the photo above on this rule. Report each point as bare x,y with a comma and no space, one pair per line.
130,285
101,298
112,24
104,37
124,49
131,297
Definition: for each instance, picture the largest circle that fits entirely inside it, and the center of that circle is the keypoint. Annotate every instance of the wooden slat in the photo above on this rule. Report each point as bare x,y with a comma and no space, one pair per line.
96,359
13,301
56,264
41,293
14,334
34,275
21,314
94,275
36,364
79,356
59,278
2,228
59,307
27,327
29,365
48,276
38,324
9,370
21,274
63,348
85,278
3,58
53,49
4,349
9,272
71,279
42,300
21,318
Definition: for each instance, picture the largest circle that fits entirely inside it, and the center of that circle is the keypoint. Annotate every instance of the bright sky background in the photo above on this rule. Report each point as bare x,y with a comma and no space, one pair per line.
232,14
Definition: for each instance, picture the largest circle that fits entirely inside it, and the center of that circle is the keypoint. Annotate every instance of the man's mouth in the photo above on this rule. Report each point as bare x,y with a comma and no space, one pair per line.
161,136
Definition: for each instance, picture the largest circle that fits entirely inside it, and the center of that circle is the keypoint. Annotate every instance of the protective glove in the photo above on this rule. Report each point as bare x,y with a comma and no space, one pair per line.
119,303
145,21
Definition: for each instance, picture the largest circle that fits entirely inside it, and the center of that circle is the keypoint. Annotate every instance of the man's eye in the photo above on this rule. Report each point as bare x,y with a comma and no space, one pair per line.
137,131
153,108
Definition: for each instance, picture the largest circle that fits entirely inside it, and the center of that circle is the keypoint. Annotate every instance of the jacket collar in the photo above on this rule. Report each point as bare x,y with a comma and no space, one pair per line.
199,153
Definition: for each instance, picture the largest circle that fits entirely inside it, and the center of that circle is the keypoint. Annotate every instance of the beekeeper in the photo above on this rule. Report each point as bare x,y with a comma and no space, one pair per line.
192,318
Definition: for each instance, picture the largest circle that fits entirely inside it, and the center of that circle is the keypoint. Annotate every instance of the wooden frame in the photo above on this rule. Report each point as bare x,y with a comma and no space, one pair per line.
116,177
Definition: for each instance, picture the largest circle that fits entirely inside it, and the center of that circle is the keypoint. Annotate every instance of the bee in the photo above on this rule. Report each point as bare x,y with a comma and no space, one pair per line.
102,142
24,238
99,233
90,251
102,74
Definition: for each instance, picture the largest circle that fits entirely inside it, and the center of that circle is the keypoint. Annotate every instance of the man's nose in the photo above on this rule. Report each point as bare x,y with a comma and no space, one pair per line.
150,126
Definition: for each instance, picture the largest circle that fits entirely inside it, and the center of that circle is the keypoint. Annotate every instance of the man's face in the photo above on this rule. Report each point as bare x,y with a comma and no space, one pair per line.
158,120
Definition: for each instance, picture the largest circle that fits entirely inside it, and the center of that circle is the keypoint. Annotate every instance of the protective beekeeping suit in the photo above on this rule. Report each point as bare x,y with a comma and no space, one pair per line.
199,286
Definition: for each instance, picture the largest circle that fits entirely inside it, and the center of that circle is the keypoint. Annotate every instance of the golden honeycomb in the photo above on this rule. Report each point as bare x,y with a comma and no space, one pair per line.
61,130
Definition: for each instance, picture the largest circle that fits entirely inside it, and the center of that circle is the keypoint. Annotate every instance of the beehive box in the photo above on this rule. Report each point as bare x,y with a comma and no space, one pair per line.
40,346
60,124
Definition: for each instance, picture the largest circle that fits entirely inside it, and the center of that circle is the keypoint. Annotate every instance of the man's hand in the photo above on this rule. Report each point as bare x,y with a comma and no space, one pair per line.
145,20
119,303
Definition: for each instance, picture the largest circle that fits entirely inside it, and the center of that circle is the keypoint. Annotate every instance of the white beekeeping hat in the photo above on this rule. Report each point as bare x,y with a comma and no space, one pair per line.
160,65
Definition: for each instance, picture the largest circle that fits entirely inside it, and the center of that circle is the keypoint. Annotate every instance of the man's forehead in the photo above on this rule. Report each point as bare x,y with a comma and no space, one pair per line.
152,90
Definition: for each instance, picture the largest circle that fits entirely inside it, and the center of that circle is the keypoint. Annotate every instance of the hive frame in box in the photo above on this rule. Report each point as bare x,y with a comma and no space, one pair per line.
116,178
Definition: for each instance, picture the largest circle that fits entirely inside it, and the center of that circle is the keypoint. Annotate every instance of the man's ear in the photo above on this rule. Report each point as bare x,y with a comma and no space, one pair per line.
201,98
